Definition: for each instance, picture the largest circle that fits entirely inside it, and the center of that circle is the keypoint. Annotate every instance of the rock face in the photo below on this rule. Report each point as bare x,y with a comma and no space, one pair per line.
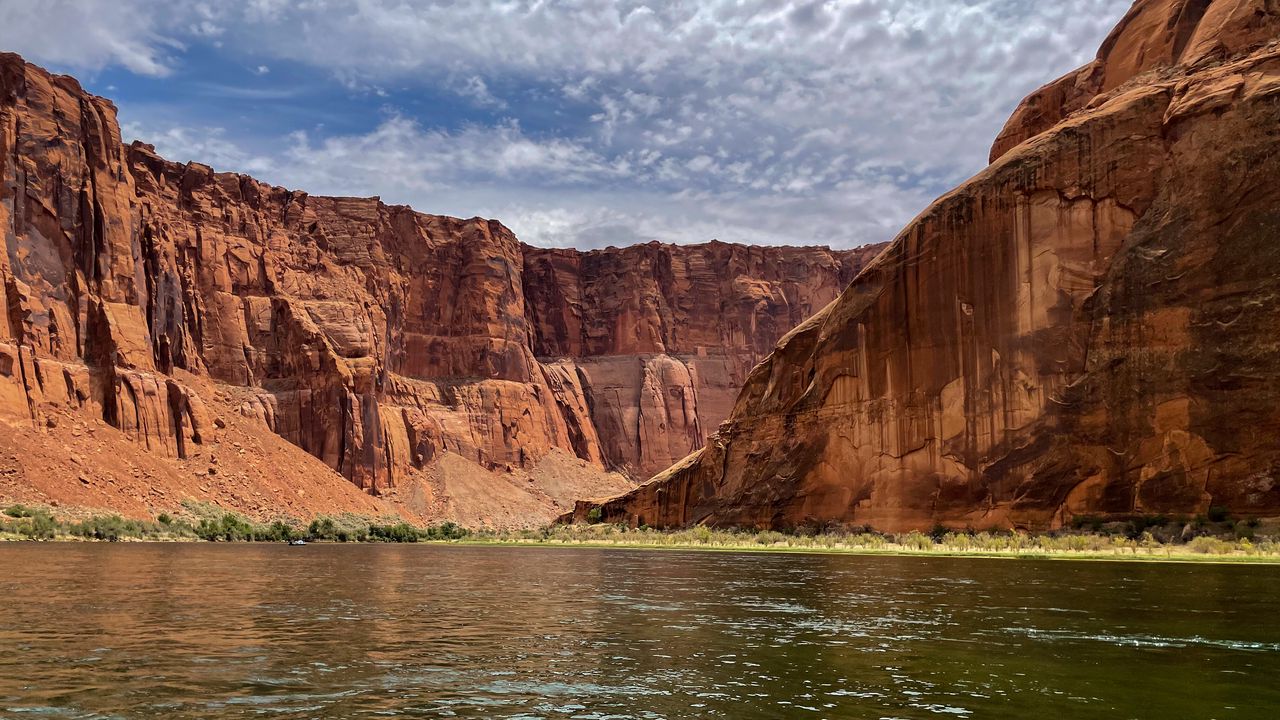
375,338
661,337
1088,326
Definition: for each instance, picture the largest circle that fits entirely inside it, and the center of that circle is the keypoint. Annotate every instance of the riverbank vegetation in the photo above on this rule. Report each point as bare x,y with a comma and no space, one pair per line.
1213,536
202,521
1203,541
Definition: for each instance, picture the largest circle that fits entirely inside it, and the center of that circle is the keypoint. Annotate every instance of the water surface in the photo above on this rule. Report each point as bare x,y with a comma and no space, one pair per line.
368,631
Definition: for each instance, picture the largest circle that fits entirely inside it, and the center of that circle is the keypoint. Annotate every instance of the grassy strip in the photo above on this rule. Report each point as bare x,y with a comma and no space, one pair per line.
1199,540
1074,544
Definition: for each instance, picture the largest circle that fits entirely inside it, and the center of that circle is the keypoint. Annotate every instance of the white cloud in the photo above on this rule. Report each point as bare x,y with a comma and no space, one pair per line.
759,120
88,35
206,145
568,194
477,90
401,159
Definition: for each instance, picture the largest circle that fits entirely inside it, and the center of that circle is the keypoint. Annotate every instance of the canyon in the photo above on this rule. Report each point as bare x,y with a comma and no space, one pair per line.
173,334
1087,327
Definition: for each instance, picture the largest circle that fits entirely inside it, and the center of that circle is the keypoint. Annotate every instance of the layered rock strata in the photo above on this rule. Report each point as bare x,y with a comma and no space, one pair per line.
661,337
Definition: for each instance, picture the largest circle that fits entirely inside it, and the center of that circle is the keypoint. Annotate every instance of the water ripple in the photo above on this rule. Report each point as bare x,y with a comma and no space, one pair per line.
199,631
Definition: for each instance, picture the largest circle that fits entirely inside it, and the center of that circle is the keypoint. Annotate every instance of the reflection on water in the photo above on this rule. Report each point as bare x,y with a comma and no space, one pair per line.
198,631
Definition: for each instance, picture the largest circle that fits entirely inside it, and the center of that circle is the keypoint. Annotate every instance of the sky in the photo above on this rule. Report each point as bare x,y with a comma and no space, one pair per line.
580,123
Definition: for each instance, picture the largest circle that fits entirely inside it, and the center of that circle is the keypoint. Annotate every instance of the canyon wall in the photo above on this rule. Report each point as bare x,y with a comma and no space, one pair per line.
1086,327
662,337
377,339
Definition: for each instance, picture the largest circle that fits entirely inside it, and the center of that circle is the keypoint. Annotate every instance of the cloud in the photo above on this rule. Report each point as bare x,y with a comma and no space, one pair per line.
754,120
88,35
206,145
403,159
475,88
568,194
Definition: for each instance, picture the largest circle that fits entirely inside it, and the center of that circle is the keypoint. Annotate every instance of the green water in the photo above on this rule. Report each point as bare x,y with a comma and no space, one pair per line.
326,631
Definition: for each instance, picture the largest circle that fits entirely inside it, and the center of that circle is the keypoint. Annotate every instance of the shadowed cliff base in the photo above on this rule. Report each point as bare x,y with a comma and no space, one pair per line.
1086,327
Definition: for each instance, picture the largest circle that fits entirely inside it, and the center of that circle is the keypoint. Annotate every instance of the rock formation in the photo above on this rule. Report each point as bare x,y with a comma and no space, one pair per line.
661,337
1088,326
378,339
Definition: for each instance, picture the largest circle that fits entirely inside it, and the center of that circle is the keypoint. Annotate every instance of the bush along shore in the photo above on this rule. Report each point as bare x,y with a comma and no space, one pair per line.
210,523
1207,537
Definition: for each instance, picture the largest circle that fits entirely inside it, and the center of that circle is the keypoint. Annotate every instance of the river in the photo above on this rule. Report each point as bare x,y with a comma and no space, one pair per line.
336,631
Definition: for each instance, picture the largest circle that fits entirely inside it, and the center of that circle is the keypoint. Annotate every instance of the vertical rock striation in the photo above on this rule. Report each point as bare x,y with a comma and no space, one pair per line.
662,336
1086,326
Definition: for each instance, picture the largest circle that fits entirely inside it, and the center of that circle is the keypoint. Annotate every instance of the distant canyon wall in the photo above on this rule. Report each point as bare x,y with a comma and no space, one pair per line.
662,337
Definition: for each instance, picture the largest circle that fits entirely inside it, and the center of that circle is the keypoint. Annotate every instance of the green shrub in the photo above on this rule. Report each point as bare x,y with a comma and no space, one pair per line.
447,530
277,531
915,540
344,528
30,523
770,537
322,528
866,539
594,515
1218,514
1077,543
39,526
400,532
1206,545
110,528
230,527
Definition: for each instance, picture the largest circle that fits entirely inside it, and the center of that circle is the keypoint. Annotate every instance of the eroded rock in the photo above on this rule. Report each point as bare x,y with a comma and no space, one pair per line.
1085,327
375,338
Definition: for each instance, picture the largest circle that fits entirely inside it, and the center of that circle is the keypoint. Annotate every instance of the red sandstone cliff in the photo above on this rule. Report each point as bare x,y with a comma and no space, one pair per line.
1086,326
172,305
661,337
